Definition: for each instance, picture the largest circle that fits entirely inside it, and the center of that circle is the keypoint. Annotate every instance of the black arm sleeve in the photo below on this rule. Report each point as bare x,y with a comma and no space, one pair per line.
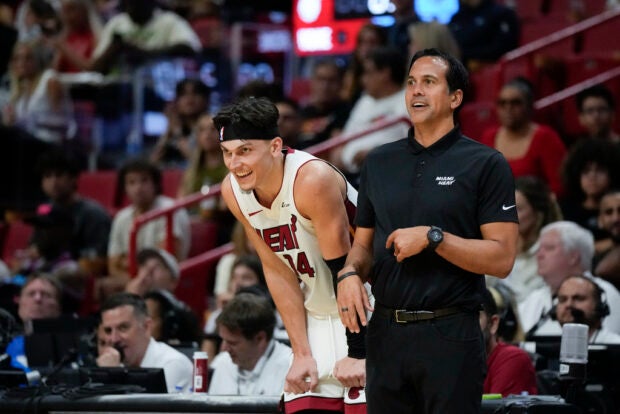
335,265
355,341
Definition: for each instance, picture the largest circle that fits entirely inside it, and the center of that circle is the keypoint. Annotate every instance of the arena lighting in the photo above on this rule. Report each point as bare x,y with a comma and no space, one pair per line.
378,7
440,10
308,10
324,27
335,23
274,41
315,39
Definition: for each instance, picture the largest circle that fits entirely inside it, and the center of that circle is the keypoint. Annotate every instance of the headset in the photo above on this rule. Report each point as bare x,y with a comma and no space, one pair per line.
602,306
173,313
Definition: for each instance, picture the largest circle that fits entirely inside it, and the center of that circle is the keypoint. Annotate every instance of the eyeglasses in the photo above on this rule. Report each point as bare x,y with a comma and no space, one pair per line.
510,102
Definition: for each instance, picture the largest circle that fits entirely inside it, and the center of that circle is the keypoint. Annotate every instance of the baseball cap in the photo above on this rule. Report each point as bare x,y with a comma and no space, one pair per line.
168,259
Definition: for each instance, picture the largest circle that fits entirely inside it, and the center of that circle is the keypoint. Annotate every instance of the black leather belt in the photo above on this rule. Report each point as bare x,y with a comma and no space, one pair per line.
411,316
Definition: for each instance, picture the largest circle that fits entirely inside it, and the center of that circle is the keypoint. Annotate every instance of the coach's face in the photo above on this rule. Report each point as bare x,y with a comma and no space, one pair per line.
252,162
428,95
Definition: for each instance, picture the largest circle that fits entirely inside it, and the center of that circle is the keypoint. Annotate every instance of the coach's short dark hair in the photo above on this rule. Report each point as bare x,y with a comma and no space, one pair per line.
126,299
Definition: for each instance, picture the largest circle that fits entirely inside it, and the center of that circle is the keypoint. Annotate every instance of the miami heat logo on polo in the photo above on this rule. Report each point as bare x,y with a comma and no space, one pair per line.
283,238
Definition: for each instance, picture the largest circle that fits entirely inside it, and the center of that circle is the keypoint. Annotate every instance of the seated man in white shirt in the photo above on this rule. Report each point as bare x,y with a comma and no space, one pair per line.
142,183
564,249
383,99
581,300
251,361
126,329
141,32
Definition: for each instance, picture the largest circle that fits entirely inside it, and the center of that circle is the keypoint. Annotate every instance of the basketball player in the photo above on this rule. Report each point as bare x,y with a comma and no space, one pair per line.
293,207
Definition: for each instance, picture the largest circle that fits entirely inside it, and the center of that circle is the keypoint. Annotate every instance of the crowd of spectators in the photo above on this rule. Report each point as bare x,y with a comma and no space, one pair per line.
567,193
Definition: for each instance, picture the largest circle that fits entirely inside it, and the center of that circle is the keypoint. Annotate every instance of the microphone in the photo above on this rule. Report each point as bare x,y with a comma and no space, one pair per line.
120,351
579,316
573,359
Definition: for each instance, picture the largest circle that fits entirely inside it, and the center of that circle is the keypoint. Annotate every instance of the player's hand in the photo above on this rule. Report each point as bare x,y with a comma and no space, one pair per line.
109,357
302,375
407,242
353,302
351,372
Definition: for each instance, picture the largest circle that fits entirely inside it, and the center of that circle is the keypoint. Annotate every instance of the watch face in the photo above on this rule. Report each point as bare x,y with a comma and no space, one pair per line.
435,235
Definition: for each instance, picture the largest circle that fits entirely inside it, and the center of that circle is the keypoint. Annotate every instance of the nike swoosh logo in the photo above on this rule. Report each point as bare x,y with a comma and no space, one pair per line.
254,212
504,207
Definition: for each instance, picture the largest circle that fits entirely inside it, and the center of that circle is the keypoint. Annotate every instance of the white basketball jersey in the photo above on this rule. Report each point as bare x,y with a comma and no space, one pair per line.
291,236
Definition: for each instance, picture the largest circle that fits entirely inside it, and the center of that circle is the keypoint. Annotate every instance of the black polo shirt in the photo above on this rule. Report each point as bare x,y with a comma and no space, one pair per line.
457,184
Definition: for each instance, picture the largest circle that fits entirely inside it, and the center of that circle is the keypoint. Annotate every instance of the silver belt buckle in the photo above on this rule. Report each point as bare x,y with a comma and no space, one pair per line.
397,313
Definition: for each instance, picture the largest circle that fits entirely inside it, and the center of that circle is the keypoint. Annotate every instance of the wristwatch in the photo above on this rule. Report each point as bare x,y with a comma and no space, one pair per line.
434,236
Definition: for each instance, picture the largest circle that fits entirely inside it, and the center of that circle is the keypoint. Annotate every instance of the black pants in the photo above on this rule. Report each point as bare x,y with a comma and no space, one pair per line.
435,366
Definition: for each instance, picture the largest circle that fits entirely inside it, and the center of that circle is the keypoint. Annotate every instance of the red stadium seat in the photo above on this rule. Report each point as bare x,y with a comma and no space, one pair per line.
561,8
300,90
525,9
535,29
203,236
197,278
485,83
594,7
601,38
171,181
100,186
583,67
17,237
475,117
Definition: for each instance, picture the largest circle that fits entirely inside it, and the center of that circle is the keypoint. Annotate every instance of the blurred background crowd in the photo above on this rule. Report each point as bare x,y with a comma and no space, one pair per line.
107,112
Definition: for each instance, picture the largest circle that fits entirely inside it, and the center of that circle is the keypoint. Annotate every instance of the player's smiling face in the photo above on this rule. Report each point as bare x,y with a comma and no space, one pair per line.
250,161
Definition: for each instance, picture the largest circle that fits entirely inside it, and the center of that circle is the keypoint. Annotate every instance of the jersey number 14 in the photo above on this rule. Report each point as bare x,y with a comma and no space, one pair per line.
302,266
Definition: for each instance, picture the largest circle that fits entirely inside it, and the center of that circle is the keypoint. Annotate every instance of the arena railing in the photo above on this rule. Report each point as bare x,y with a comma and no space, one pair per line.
523,60
576,88
168,214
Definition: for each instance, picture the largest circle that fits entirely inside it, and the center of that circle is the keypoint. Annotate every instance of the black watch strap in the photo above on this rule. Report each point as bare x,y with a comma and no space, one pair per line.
435,237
